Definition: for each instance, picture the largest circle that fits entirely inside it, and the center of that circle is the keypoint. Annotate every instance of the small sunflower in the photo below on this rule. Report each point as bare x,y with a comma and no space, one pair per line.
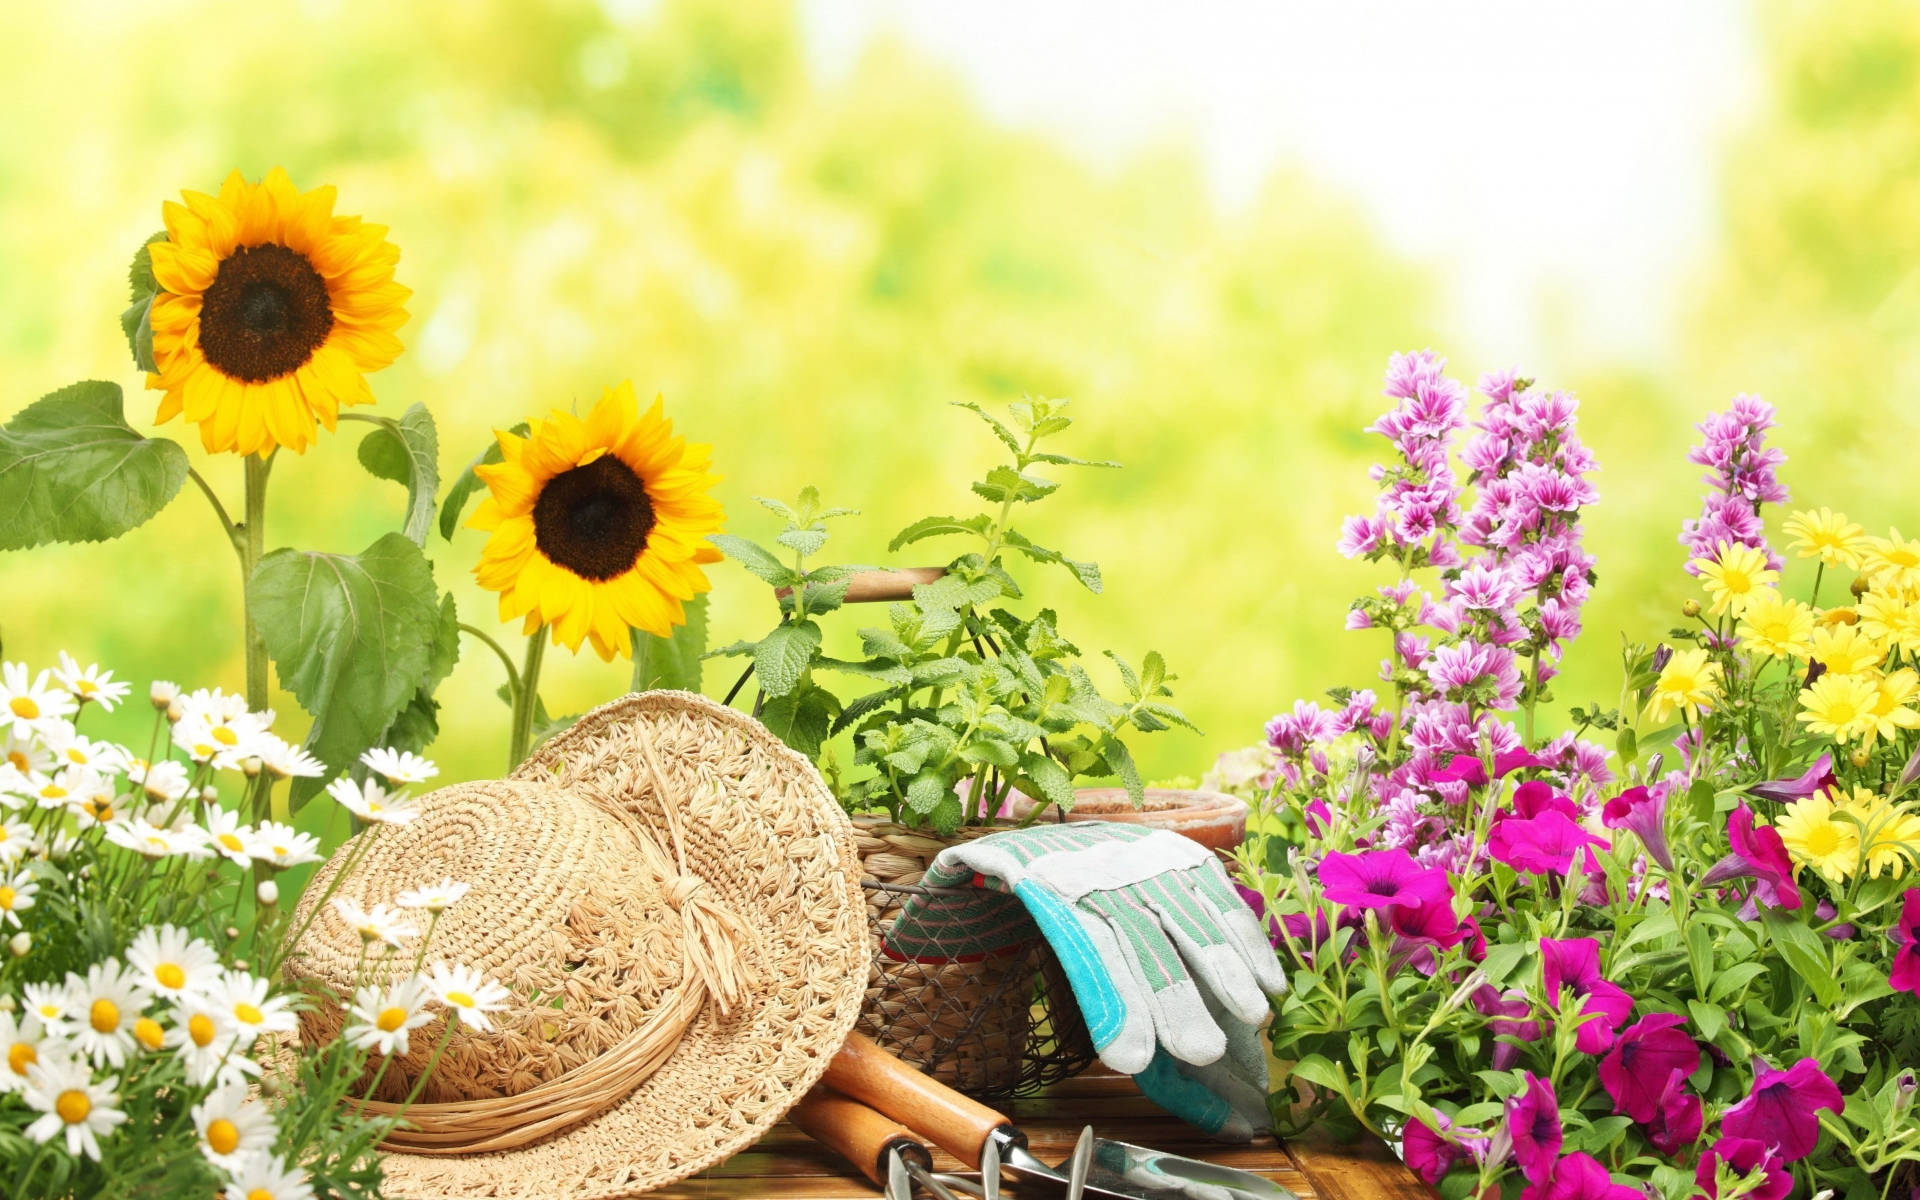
599,524
270,312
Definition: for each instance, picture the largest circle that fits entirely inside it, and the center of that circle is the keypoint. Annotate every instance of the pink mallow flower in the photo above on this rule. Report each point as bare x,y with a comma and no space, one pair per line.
1380,879
1580,1177
1533,1124
1746,1158
1906,933
1572,965
1782,1110
1635,1071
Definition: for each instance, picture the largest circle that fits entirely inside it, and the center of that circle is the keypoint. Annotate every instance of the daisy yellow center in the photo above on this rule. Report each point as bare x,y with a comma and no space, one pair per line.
104,1016
200,1029
19,759
594,519
7,896
460,999
260,1194
1736,581
391,1018
225,736
86,687
20,1056
24,707
53,791
74,1106
156,841
281,851
77,756
223,1136
247,1014
49,1012
1822,840
374,806
170,976
202,750
265,313
148,1033
99,810
232,842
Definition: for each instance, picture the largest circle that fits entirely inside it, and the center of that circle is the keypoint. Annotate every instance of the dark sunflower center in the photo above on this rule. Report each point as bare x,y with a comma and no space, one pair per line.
265,314
594,520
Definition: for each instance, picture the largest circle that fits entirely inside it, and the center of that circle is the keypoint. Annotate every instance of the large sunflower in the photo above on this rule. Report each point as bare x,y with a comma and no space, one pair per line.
270,311
599,524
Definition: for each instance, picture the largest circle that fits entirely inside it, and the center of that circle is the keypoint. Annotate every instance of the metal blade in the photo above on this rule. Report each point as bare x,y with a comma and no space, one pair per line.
1139,1173
899,1186
1079,1163
927,1179
990,1171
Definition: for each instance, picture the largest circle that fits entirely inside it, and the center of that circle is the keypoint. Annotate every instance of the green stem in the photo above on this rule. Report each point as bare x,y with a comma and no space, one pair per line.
527,700
219,509
252,545
506,660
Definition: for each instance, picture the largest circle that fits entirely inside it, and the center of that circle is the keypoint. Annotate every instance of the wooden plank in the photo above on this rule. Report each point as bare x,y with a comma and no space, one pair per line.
1361,1170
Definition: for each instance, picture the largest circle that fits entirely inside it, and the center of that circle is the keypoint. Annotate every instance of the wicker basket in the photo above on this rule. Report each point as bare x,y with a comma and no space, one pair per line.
996,1027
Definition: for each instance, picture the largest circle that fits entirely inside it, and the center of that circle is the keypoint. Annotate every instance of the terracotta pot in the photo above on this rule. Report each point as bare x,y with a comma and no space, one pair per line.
1214,819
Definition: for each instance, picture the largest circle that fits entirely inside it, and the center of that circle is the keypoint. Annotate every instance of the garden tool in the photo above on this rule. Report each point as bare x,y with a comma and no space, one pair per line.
982,1138
1170,968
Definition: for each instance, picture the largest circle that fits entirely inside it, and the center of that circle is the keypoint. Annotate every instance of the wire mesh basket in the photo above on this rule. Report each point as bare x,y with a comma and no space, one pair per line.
994,1027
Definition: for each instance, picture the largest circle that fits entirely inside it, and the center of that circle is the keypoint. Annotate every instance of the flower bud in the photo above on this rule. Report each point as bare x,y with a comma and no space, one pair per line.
1860,757
162,694
1690,609
21,943
1905,1084
268,893
251,766
233,935
8,1004
175,712
1860,586
241,964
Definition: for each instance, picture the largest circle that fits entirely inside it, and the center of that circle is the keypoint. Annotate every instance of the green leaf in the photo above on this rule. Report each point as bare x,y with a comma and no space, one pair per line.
467,483
137,321
778,506
1000,431
1318,1070
927,527
1711,1019
802,719
672,661
419,722
1117,757
782,656
1805,951
407,451
352,637
1627,744
925,791
991,750
860,707
756,558
807,542
1005,483
1048,780
73,470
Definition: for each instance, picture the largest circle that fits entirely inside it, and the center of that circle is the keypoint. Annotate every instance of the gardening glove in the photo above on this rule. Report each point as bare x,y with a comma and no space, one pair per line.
1170,968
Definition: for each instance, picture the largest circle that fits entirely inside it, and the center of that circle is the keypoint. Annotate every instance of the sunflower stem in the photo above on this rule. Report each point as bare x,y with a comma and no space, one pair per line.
252,545
527,700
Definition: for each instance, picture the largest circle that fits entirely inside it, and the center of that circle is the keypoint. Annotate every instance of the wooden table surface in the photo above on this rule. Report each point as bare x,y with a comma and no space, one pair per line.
789,1163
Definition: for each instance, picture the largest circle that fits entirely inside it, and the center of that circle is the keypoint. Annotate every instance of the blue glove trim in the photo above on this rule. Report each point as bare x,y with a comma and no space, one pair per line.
1100,1004
1185,1098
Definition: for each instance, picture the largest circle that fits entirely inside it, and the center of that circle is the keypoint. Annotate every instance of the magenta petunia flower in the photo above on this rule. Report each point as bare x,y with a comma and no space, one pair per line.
1468,769
1543,845
1677,1122
1509,1016
1781,1110
1760,855
1430,1153
1537,798
1573,965
1635,1071
1431,923
1642,811
1533,1125
1906,933
1580,1177
1815,779
1745,1157
1380,879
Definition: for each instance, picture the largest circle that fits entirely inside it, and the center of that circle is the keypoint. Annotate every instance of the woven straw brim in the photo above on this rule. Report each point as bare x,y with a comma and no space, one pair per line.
762,829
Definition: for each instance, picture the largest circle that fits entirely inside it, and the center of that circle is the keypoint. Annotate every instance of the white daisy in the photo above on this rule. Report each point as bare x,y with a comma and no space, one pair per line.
207,1047
226,747
144,837
16,841
381,1018
399,766
90,684
172,963
52,1002
267,1177
283,846
29,705
20,1042
380,924
28,756
284,760
16,896
164,782
245,1009
82,751
435,897
72,1103
106,1004
229,1126
371,802
467,993
228,837
98,807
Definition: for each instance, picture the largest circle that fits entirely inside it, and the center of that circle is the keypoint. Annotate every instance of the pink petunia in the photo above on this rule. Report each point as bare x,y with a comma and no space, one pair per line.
1380,879
1544,845
1572,965
1782,1110
1757,854
1635,1071
1533,1125
1580,1177
1677,1122
1745,1157
1906,932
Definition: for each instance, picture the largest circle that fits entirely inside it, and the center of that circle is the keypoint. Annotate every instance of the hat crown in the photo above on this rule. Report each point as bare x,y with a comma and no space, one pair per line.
567,910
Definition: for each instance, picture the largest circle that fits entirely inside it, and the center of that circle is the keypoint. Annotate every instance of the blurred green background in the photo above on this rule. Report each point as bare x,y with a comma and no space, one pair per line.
811,268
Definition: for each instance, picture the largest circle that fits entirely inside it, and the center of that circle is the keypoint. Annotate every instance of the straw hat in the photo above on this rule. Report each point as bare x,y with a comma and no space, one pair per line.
671,896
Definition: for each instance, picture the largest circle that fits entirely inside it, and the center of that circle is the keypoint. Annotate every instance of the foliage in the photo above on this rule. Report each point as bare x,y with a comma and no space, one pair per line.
967,699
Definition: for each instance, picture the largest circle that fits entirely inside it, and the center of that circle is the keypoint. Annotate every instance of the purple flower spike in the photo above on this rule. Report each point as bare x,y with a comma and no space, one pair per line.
1380,879
1817,778
1760,855
1906,932
1746,1157
1642,812
1741,469
1533,1122
1573,965
1781,1111
1635,1071
1544,845
1580,1177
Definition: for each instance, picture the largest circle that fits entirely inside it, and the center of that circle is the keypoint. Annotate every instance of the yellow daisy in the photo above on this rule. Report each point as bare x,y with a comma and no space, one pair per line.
1688,683
1840,706
1814,839
1893,693
270,311
1845,649
1890,619
1826,535
1776,626
1734,575
1893,562
599,524
1891,833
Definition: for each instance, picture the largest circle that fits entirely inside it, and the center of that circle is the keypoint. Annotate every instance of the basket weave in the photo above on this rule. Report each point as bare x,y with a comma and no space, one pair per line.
995,1027
664,866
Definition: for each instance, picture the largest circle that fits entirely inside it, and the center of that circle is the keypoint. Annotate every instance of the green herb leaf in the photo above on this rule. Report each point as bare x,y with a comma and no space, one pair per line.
407,451
352,637
756,558
802,719
924,791
73,470
782,656
806,542
1803,950
927,527
1005,483
1000,431
1047,779
672,661
467,483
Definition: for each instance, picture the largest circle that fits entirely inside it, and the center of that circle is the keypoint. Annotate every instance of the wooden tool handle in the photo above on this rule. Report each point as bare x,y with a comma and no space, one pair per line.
943,1116
862,1136
866,587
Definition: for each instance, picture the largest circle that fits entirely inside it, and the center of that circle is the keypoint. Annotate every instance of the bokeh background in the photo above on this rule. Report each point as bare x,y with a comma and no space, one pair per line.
813,226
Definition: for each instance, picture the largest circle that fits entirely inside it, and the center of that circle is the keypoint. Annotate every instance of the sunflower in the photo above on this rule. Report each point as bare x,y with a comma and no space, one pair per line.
599,524
270,311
